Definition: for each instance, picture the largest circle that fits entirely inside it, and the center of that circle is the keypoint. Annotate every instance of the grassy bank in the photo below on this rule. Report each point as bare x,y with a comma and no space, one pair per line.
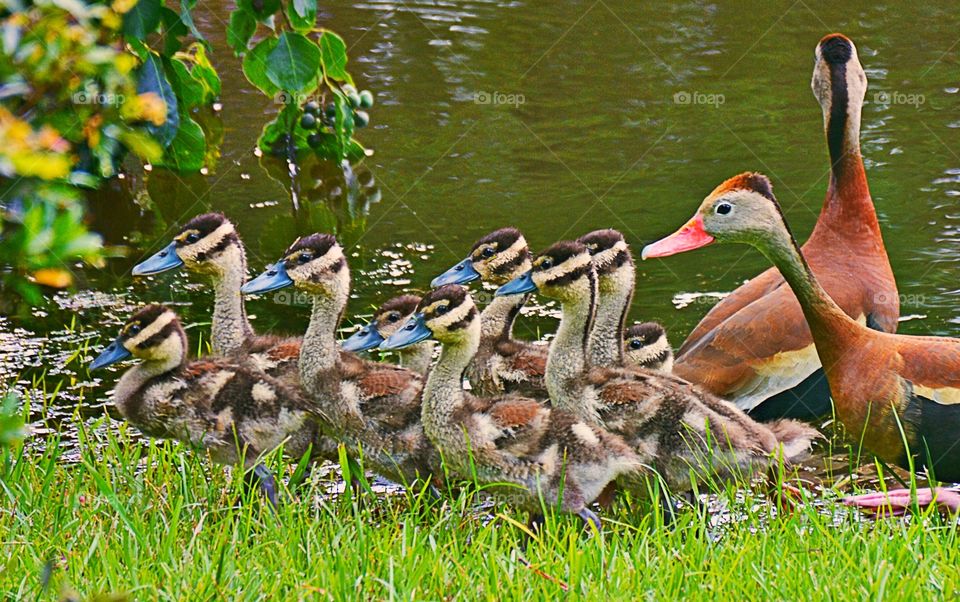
158,522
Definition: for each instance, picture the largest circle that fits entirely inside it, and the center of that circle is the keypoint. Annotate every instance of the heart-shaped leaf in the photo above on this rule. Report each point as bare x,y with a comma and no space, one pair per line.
294,65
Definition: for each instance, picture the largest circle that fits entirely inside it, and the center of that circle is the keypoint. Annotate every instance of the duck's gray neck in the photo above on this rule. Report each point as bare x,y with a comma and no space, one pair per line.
498,317
417,357
319,356
613,304
443,392
129,389
567,358
230,328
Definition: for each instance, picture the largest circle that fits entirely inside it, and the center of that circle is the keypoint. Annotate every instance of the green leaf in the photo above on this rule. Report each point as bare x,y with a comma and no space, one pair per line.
187,18
190,92
187,150
333,55
142,19
302,14
294,64
255,66
240,30
274,137
205,74
261,9
152,79
344,125
173,30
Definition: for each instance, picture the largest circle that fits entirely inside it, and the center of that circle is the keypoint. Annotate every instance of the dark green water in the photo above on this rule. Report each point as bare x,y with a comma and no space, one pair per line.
591,132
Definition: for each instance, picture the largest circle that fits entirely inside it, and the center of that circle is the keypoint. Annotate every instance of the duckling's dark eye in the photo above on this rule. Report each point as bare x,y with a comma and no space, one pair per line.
488,252
192,238
442,309
546,264
724,208
133,329
394,317
304,258
636,344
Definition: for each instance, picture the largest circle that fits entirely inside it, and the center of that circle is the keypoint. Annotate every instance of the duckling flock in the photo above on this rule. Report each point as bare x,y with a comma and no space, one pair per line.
604,407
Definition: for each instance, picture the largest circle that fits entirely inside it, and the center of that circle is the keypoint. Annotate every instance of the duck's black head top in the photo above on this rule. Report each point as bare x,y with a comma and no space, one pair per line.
497,258
314,263
392,314
840,84
609,251
741,209
449,313
207,244
564,271
153,334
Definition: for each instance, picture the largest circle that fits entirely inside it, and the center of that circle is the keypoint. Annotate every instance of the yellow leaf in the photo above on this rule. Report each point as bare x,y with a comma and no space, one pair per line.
123,6
153,108
46,166
53,277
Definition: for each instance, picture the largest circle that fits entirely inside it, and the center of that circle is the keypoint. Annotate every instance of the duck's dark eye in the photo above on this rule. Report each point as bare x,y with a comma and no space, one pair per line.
133,329
441,310
546,264
636,344
192,238
724,208
394,317
488,252
304,258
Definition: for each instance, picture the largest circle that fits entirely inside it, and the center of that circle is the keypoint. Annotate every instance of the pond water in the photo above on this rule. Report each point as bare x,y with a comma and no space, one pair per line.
557,118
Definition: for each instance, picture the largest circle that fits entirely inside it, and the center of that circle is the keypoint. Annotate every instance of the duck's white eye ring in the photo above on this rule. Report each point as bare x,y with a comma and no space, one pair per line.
723,208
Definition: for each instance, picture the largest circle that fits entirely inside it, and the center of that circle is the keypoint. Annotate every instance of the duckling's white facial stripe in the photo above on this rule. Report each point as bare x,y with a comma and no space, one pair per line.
455,315
509,254
208,242
151,329
651,352
317,268
608,256
567,267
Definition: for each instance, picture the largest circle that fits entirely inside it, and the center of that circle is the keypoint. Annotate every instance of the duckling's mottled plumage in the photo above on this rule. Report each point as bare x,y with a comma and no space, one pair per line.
510,439
215,404
668,422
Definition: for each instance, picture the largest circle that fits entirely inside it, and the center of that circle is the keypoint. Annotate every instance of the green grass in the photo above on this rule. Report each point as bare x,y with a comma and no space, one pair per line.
159,522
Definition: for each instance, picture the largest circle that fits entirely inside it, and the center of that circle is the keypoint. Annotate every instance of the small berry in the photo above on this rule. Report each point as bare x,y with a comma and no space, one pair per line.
366,99
361,119
308,121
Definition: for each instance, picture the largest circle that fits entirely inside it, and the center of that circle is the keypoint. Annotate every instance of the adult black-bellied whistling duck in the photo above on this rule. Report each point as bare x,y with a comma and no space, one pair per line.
754,347
887,388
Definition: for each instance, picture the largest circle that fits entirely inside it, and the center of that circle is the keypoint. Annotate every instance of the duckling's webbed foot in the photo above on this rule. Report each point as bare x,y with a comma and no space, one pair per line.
261,477
589,518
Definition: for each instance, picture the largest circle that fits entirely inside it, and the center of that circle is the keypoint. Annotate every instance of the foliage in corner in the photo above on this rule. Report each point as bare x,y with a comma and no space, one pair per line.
83,85
304,68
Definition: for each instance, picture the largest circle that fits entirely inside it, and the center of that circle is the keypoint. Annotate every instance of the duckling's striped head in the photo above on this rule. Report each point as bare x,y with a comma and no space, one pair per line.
392,314
208,244
646,346
565,272
611,257
450,313
840,84
153,334
501,256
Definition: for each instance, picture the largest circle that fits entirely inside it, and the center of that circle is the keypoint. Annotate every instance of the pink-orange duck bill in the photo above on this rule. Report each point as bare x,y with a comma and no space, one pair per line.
689,237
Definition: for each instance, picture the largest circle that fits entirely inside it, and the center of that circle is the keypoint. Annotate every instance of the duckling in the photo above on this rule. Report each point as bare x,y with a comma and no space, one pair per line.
646,346
661,416
387,320
209,244
507,441
616,282
372,406
502,363
224,407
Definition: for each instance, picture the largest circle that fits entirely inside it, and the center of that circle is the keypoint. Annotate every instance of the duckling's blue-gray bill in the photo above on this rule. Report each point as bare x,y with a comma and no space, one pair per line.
414,331
363,340
461,273
114,352
161,261
519,285
274,278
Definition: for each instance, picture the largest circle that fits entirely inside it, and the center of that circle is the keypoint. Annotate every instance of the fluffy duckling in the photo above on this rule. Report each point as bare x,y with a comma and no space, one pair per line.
616,282
646,346
502,363
661,416
552,454
218,405
209,245
372,406
387,320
